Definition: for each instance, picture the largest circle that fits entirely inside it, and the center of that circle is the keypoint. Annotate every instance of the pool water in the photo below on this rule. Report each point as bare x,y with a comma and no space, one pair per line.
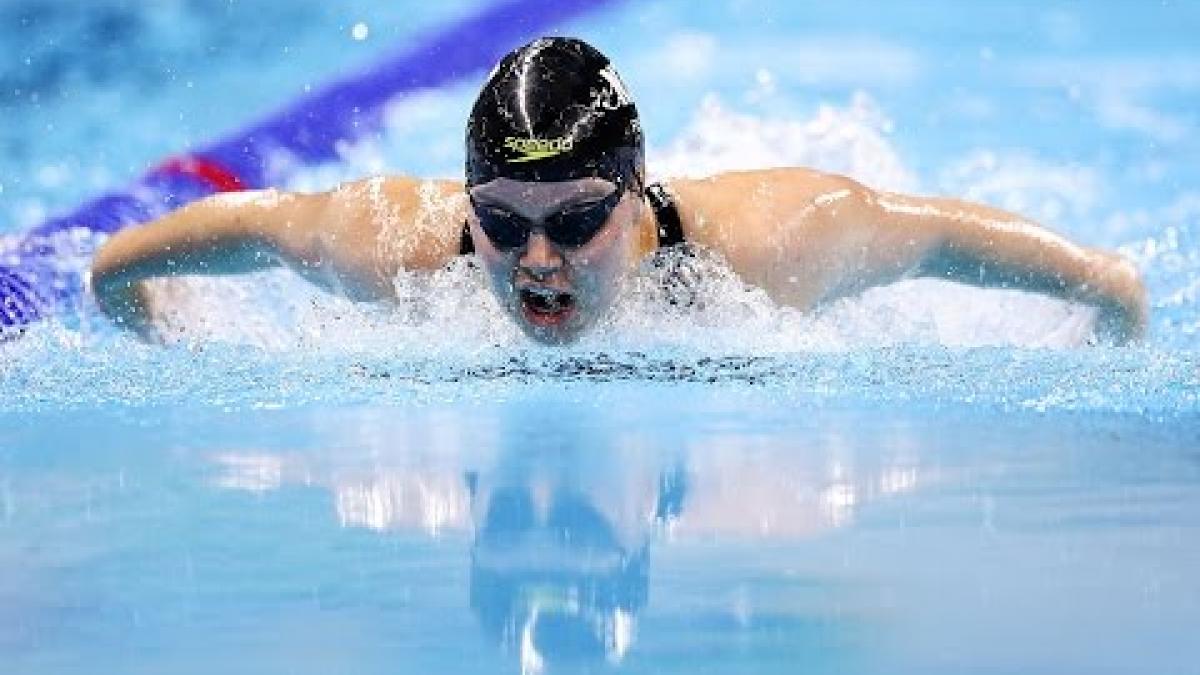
923,479
767,534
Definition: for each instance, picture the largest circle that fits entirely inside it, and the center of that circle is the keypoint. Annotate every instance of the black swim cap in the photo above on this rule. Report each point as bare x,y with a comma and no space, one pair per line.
555,110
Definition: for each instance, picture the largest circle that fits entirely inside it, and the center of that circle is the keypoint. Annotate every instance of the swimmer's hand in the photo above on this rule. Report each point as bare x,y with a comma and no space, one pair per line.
128,305
1120,298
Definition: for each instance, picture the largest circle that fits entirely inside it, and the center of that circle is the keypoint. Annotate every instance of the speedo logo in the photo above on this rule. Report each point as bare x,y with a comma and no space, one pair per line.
531,149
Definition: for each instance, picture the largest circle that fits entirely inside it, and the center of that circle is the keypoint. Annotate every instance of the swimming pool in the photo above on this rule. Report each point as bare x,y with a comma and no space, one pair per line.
925,479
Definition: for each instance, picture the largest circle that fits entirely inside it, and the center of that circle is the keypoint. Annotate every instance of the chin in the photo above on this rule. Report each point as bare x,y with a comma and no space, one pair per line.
551,338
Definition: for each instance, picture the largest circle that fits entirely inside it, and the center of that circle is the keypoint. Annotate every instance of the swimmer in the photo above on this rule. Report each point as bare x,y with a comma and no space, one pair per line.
558,211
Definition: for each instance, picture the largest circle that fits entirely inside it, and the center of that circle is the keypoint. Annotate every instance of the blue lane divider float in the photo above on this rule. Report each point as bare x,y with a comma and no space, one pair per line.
33,280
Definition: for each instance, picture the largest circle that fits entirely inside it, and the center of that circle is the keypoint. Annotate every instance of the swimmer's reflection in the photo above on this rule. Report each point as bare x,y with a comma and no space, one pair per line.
555,575
562,514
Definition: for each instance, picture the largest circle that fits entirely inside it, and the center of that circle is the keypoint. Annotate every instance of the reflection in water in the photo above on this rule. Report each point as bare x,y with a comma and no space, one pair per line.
562,524
432,502
555,581
562,514
252,472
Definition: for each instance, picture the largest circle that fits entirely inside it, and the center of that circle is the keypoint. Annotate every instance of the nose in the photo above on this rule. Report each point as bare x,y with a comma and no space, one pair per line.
540,259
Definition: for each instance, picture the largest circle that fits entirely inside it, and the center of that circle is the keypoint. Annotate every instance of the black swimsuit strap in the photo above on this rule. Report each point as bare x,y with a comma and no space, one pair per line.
465,245
666,215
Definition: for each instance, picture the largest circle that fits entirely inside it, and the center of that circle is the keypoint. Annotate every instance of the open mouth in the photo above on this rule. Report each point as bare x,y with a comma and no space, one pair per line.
546,306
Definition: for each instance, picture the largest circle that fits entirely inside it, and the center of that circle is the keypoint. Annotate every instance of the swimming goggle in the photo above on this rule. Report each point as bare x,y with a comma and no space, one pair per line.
572,227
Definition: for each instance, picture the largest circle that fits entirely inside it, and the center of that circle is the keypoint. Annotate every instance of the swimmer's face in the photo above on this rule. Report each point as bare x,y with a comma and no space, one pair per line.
554,290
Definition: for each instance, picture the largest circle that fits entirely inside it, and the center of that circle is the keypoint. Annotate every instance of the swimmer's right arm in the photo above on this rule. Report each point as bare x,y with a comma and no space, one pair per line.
351,240
218,235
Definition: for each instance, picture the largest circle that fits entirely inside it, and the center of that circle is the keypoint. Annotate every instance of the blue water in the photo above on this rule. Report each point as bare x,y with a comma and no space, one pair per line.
793,534
925,479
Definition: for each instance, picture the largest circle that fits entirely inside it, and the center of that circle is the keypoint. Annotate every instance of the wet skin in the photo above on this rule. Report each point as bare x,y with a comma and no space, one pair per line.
555,292
804,237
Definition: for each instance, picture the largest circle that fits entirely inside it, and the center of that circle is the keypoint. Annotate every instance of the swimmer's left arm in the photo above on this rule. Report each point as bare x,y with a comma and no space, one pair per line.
985,246
808,237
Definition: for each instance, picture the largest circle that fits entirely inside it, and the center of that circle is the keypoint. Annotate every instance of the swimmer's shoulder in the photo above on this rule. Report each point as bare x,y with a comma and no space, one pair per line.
722,210
396,196
410,223
398,188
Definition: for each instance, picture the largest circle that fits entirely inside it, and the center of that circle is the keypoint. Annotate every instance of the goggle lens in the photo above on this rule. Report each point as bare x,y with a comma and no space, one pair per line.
570,228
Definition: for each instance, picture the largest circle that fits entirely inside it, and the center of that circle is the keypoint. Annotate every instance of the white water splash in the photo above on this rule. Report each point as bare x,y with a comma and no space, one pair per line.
1045,191
850,140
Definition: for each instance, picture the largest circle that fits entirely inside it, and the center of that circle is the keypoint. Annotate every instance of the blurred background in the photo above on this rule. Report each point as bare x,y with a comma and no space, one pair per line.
1081,114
